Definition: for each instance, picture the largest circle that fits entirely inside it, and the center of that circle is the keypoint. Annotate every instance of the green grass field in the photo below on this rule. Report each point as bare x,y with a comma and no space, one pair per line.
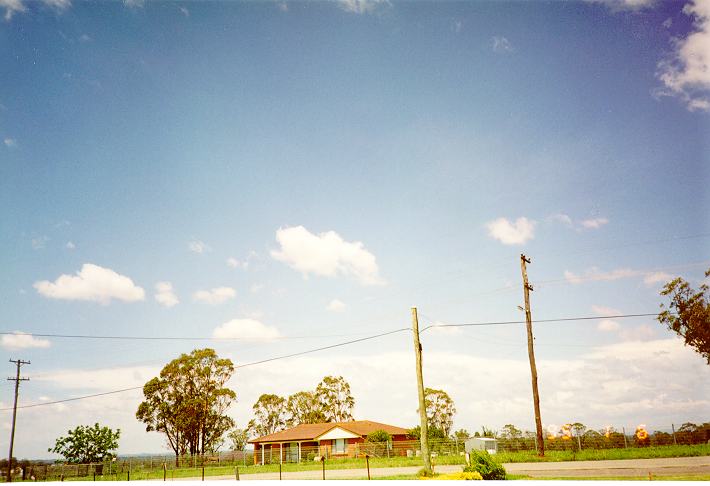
607,454
505,457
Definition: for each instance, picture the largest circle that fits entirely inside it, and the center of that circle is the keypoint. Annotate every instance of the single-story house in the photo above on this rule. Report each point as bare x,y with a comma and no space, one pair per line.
330,439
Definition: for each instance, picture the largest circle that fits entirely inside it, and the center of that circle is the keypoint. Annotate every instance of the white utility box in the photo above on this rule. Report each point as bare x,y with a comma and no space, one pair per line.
482,444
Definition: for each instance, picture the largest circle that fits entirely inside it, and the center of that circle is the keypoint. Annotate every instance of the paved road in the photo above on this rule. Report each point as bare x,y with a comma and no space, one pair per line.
625,467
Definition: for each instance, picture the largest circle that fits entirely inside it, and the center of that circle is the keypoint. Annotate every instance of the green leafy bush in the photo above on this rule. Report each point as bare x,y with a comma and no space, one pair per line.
485,465
423,473
378,436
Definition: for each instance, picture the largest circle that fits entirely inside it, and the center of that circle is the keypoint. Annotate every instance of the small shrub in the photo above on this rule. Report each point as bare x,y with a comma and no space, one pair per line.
485,465
310,457
423,473
466,476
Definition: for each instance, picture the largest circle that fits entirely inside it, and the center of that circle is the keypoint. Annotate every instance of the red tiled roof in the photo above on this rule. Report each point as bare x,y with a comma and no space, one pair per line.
311,431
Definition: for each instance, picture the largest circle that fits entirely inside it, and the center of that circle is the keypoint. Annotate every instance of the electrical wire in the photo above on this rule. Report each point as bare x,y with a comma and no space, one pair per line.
537,321
236,367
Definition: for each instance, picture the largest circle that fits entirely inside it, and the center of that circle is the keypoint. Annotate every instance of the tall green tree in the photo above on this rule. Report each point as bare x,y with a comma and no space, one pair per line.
304,408
335,398
188,402
510,431
269,415
87,444
440,409
688,314
238,439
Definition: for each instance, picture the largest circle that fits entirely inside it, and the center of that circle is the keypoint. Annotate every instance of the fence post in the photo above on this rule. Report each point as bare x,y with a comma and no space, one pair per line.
203,473
165,472
626,445
236,472
279,471
675,442
367,462
128,473
322,459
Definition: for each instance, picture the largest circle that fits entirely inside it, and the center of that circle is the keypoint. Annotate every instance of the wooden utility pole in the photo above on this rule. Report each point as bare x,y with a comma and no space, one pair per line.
17,381
531,354
424,429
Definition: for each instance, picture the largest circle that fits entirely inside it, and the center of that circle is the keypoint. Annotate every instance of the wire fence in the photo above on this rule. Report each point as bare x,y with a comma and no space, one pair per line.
393,453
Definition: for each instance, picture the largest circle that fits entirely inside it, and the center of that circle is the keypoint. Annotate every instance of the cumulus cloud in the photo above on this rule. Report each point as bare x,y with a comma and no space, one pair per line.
243,264
21,340
644,332
197,246
650,278
184,11
58,4
165,295
70,245
92,283
215,296
247,330
607,325
361,6
653,278
9,142
594,223
686,72
326,254
625,5
510,233
336,305
11,7
594,274
585,224
501,44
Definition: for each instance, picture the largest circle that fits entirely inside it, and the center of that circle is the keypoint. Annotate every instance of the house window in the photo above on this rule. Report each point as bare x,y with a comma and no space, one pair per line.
339,446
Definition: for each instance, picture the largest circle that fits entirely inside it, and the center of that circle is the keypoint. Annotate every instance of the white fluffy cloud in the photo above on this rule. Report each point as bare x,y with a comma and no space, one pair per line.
336,305
654,278
214,296
164,294
243,264
11,7
21,340
501,44
607,325
594,274
70,245
509,233
623,5
18,6
326,254
585,224
9,142
247,330
92,283
361,6
594,223
686,72
197,246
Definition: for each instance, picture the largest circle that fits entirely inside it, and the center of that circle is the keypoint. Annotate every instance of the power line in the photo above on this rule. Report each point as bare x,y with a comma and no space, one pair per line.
168,338
563,319
236,367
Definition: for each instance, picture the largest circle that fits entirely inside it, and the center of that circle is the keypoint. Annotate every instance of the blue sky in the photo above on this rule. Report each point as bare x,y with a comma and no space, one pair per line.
328,165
